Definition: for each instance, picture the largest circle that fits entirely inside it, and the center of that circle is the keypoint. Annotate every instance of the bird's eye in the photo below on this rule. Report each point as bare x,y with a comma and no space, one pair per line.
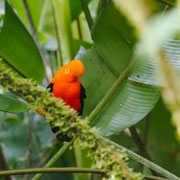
67,71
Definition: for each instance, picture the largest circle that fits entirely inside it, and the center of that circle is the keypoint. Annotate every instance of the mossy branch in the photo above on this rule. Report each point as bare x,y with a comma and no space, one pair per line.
104,156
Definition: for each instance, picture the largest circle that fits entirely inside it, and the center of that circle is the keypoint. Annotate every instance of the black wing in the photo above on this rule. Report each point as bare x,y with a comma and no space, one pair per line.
82,97
50,87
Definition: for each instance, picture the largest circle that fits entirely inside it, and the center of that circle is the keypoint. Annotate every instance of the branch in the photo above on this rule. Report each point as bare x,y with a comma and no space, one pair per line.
87,13
50,170
105,157
165,2
140,146
30,19
3,164
143,161
154,177
111,92
146,129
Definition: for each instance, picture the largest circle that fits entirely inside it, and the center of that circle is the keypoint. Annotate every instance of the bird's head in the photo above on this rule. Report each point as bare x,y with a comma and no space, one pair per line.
70,71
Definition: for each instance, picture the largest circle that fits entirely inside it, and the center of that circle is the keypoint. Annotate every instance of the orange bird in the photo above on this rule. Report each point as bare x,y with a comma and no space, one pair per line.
65,85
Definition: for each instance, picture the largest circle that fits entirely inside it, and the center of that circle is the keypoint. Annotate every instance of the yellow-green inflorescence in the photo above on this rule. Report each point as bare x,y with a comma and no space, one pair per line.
104,156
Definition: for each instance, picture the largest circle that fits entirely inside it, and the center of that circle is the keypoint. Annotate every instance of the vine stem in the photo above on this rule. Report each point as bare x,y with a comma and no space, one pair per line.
143,161
54,159
111,92
87,13
50,170
154,177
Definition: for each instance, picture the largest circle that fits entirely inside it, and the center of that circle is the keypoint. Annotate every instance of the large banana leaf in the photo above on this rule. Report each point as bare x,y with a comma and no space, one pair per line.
104,64
18,48
12,105
129,104
147,70
114,39
137,94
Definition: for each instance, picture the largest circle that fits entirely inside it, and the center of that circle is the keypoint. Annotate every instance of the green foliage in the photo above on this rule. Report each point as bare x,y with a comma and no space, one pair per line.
12,105
131,101
116,49
161,140
121,80
76,8
71,124
18,48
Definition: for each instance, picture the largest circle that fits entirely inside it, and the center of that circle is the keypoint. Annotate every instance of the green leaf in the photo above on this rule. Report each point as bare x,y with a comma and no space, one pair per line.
18,48
35,8
162,143
18,5
130,104
13,121
114,36
76,8
137,96
130,101
147,69
12,105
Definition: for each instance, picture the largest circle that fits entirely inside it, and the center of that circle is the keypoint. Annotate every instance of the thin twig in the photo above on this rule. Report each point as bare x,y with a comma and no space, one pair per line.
50,170
60,57
101,5
146,133
74,156
87,13
3,163
165,2
30,19
153,177
30,130
29,138
79,28
165,9
140,146
146,129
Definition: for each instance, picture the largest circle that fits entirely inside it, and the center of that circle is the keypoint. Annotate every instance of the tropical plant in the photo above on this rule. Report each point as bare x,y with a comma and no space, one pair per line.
130,50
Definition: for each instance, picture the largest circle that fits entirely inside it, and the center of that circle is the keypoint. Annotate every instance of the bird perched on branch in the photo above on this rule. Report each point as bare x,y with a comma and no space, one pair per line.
65,85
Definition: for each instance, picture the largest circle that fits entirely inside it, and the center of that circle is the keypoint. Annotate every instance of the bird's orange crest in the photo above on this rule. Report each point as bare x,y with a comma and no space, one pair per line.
70,71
